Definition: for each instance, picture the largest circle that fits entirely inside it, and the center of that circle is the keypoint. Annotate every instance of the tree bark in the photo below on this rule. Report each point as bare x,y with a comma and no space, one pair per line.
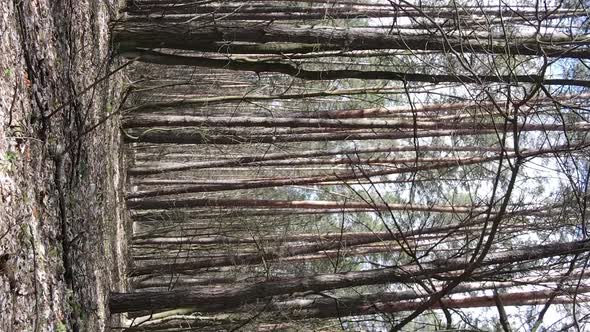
291,181
232,297
139,120
197,136
299,72
245,98
288,157
187,36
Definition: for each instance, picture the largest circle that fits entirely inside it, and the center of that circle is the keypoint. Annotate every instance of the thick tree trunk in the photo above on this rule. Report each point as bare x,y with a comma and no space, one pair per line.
187,36
299,72
232,297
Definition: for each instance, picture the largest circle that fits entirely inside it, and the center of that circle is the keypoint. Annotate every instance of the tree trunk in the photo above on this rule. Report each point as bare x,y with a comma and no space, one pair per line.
287,157
299,72
232,297
290,181
185,36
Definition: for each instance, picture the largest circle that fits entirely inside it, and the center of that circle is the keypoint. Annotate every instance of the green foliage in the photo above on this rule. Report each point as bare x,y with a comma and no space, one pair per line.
25,235
61,327
6,163
10,156
55,252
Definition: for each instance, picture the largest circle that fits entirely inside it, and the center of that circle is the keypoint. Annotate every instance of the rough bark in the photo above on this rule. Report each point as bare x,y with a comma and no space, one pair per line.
187,36
231,297
300,72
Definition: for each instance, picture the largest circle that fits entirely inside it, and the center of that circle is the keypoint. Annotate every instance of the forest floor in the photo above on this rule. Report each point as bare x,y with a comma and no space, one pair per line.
62,234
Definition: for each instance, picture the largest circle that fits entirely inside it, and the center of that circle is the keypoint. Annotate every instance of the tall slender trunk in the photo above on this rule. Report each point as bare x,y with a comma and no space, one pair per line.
246,98
139,120
319,75
301,253
186,36
310,204
197,136
240,10
393,303
181,236
162,168
231,297
290,181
